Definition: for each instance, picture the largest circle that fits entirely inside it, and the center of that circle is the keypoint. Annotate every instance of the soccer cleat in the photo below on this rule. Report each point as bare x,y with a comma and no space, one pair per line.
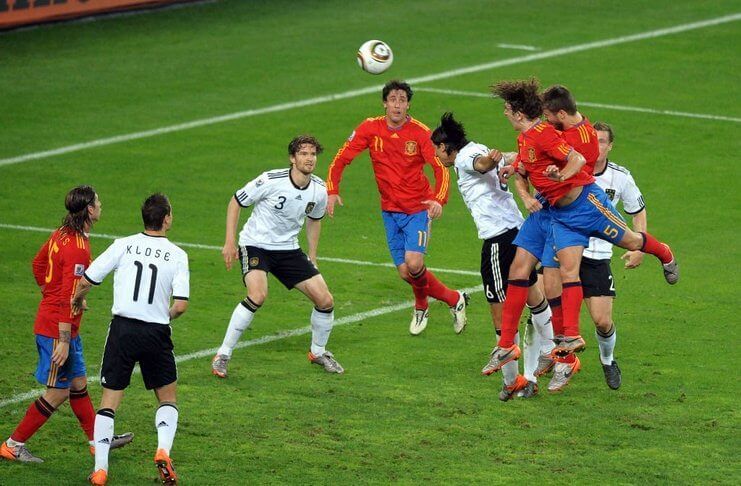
165,467
510,391
500,357
219,364
671,271
419,321
18,453
566,345
613,377
545,364
459,312
530,390
98,478
562,374
327,360
117,441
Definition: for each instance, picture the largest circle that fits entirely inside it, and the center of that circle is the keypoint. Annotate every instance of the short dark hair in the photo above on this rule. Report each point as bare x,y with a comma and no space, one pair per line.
297,142
76,202
557,98
521,95
604,127
154,210
450,132
396,84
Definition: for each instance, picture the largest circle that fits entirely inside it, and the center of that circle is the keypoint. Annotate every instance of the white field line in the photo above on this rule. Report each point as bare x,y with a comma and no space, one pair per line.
214,247
372,89
590,104
521,47
351,319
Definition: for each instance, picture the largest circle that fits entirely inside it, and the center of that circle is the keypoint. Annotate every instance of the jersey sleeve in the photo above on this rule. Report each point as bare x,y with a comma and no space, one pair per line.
105,263
181,279
632,197
554,145
440,172
466,163
358,141
252,192
40,264
317,212
74,258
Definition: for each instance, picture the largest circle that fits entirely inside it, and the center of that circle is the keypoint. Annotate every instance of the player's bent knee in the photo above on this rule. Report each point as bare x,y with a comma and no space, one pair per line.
324,302
257,297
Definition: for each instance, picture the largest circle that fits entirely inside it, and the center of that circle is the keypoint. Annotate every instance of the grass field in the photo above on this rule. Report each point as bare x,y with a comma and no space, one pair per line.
408,410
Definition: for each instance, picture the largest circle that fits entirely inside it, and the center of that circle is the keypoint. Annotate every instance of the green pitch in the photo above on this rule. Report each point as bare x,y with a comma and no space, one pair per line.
408,410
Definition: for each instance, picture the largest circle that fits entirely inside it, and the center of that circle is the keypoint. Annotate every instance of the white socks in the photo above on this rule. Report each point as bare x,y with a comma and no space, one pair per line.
321,327
538,338
606,345
241,320
166,422
103,434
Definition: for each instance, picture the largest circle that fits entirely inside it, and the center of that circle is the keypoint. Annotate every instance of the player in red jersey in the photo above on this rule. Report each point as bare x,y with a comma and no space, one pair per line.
57,267
399,147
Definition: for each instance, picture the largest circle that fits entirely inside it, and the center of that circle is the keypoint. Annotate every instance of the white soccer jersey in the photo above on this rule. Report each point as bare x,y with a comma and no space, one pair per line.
619,185
149,270
281,208
491,204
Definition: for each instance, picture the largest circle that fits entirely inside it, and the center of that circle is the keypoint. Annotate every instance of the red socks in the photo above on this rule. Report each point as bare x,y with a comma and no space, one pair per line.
36,416
514,303
655,247
556,315
83,408
425,283
571,298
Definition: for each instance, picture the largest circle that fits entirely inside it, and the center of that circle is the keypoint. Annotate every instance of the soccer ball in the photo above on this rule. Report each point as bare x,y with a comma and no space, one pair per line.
375,56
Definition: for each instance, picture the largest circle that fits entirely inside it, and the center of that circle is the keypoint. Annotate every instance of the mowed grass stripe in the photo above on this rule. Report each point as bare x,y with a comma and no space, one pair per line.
372,89
351,319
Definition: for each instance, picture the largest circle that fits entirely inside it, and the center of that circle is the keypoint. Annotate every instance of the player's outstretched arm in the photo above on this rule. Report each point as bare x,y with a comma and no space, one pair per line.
634,258
313,230
229,252
333,199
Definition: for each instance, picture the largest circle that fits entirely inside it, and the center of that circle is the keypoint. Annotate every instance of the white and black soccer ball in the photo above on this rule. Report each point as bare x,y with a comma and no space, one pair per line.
375,56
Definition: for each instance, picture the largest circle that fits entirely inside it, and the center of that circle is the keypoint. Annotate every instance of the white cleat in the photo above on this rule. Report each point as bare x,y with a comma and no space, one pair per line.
419,321
459,313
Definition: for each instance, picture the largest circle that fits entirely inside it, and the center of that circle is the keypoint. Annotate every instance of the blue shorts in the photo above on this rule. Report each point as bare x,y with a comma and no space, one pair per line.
536,237
406,232
51,375
591,214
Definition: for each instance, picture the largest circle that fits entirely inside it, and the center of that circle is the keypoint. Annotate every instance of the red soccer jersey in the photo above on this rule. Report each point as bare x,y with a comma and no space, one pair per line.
398,157
57,267
539,147
583,137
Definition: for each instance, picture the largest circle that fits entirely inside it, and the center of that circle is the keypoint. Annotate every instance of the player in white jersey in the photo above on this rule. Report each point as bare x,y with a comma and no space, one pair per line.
149,272
595,273
283,199
498,220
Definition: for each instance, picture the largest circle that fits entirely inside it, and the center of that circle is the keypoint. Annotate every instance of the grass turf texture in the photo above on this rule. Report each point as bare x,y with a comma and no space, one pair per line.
408,409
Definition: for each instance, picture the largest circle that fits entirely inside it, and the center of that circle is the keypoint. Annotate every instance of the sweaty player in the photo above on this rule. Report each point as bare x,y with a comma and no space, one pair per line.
399,148
497,219
579,209
283,199
57,268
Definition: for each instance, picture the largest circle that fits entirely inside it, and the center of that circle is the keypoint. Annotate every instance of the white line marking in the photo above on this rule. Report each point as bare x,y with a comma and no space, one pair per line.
596,105
372,89
214,247
361,316
518,46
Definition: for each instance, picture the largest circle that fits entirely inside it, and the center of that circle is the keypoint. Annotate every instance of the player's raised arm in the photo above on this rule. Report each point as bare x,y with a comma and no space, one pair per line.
229,252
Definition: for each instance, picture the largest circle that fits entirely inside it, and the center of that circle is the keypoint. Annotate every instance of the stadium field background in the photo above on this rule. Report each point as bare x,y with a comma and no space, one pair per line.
196,101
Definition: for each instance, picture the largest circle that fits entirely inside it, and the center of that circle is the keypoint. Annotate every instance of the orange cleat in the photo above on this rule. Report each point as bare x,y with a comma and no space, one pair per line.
509,392
98,478
165,467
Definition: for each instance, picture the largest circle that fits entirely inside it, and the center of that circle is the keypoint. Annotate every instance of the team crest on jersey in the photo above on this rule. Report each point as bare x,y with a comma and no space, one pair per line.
531,154
254,261
79,269
410,147
310,207
610,193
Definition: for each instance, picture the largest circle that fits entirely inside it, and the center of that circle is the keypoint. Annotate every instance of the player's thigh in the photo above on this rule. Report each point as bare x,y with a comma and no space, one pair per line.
497,255
523,264
416,230
257,285
531,238
317,291
414,262
119,354
569,259
292,267
394,236
157,357
52,375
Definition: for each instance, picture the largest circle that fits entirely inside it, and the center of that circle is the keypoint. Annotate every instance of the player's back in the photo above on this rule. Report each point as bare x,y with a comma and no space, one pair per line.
583,137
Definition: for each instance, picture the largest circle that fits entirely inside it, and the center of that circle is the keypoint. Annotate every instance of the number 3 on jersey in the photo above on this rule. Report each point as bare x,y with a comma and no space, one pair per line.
152,280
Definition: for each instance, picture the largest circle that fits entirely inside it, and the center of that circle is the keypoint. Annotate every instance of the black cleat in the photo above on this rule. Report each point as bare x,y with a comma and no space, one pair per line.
613,377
